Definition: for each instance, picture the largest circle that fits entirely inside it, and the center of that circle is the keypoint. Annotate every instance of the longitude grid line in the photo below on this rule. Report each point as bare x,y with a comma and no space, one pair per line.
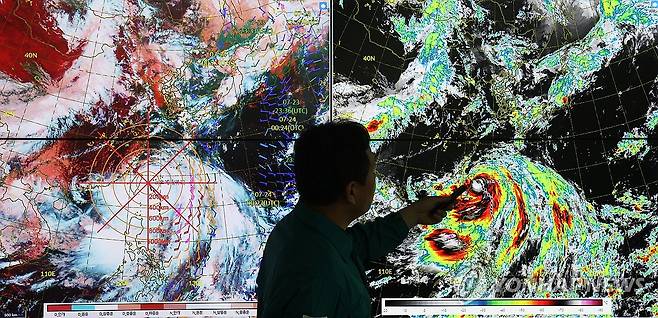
571,122
329,80
384,47
404,173
339,39
381,289
345,28
330,59
91,66
172,175
623,110
361,46
102,44
356,54
642,84
388,37
575,148
20,124
422,169
112,15
646,97
553,32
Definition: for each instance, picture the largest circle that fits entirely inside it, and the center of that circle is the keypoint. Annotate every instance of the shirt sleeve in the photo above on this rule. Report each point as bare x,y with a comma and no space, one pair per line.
376,238
317,297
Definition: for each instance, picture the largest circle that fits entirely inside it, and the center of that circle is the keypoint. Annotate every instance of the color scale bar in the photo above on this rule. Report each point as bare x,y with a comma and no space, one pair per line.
92,307
160,309
496,306
494,302
150,306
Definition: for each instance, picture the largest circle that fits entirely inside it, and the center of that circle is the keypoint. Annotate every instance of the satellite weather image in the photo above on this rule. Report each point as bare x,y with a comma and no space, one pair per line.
143,144
547,110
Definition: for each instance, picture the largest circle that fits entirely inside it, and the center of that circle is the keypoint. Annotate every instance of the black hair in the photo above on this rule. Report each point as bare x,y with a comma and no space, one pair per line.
328,157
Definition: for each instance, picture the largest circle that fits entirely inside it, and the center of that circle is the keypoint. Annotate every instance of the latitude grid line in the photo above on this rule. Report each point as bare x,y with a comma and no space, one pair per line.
89,137
556,46
37,138
636,53
396,67
601,130
118,240
646,97
598,121
90,72
578,36
421,169
111,15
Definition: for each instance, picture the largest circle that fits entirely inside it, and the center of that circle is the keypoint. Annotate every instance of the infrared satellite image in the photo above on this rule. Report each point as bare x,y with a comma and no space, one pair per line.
547,110
144,144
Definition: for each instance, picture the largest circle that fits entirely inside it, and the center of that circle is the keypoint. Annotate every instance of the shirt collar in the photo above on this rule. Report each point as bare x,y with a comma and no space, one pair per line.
332,232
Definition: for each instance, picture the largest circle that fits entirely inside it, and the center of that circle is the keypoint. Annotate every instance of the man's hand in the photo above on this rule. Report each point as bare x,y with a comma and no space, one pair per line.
424,211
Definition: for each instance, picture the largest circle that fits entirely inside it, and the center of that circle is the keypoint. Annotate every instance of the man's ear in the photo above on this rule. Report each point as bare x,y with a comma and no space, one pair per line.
350,192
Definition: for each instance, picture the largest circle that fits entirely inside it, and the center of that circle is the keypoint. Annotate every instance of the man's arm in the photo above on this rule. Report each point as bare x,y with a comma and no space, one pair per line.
377,238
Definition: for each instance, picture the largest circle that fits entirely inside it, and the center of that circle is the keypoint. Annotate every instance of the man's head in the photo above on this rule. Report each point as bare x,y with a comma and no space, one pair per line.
334,164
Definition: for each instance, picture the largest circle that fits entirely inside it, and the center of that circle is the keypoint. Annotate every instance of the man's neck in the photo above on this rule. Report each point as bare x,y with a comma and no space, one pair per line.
337,213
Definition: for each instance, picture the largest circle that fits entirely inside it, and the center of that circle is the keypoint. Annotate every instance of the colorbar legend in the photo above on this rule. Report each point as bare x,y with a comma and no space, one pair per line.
159,309
497,306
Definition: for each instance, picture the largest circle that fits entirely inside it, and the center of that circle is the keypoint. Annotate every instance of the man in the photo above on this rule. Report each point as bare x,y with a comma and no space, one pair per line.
313,264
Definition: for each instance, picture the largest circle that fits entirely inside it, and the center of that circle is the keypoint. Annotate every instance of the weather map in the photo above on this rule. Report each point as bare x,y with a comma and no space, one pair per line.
546,110
144,144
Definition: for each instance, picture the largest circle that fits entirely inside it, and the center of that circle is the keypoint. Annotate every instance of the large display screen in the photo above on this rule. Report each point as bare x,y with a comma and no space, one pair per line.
549,109
146,145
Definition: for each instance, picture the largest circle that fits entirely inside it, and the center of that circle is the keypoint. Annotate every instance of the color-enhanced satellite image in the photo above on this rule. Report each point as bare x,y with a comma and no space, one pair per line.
144,144
548,110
